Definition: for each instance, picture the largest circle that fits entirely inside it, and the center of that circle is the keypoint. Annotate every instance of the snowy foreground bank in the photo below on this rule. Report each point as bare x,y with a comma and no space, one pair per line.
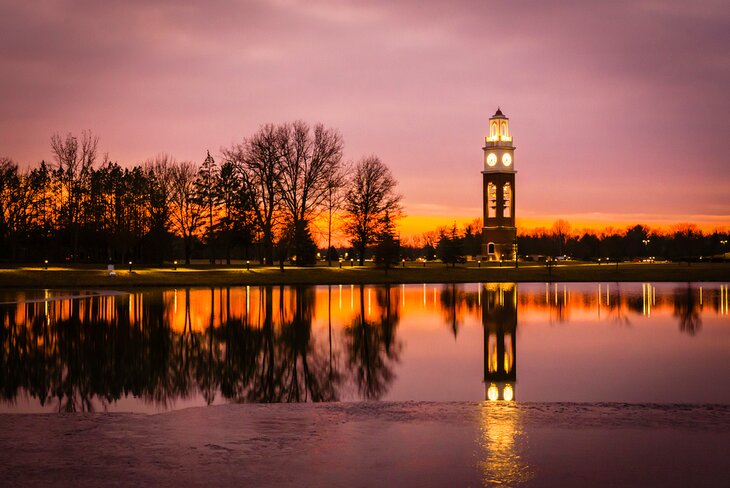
374,444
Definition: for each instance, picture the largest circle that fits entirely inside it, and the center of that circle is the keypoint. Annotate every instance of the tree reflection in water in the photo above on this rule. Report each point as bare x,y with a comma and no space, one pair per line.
372,346
85,353
456,303
687,310
264,344
303,365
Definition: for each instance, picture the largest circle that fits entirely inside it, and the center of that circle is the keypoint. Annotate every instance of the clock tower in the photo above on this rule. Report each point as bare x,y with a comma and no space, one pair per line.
499,236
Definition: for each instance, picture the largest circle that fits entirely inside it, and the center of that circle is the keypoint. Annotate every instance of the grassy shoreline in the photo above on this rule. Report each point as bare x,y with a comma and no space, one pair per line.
97,276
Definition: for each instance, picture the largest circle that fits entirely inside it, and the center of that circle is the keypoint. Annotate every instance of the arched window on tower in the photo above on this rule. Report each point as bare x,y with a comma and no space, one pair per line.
507,199
492,363
491,200
493,132
509,360
504,129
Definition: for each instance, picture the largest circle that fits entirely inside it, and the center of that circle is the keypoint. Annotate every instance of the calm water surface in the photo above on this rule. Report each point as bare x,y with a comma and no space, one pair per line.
163,349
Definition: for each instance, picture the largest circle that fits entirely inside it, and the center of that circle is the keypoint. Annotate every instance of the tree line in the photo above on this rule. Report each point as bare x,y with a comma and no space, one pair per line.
682,242
260,201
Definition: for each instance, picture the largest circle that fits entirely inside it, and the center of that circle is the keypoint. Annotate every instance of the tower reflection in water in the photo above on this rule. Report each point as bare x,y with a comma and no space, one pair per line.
502,434
499,317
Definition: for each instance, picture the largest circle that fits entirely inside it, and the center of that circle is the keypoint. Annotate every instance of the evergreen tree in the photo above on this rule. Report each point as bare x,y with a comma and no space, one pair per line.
387,250
332,254
450,247
306,247
205,188
235,222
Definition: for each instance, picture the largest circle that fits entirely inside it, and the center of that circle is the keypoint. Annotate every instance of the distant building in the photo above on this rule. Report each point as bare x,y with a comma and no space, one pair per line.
499,236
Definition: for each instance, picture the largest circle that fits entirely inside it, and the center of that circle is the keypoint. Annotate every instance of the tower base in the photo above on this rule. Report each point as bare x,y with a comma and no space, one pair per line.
499,243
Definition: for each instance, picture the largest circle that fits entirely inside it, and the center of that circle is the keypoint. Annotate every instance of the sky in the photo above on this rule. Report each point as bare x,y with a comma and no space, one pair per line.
619,110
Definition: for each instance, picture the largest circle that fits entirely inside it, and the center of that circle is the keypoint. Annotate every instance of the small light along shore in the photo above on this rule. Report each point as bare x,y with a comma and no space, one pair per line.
97,276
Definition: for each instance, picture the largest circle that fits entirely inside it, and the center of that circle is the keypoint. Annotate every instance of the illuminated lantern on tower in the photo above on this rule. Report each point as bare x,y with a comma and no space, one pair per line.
499,236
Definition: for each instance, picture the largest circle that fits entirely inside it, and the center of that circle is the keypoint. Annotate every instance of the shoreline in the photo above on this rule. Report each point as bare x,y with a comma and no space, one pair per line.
90,276
373,443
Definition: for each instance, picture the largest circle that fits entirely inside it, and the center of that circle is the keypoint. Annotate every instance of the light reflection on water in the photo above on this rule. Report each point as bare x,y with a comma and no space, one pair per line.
153,350
502,440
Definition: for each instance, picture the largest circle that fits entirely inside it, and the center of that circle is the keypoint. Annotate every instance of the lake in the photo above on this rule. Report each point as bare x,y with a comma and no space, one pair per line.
153,350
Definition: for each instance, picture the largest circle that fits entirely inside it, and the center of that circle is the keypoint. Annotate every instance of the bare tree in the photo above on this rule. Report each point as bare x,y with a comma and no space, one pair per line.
257,159
159,173
335,201
308,159
186,212
561,232
370,197
73,163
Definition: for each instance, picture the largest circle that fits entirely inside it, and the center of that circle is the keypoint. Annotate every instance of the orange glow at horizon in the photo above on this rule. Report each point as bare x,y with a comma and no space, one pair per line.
415,225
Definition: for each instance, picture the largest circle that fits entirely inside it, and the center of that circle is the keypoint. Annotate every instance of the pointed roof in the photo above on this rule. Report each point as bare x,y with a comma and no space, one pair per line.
498,114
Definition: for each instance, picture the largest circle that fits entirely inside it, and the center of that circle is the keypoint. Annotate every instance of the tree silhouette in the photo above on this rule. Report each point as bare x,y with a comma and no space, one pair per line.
160,193
450,247
387,250
369,197
309,158
236,220
207,198
257,160
187,213
74,162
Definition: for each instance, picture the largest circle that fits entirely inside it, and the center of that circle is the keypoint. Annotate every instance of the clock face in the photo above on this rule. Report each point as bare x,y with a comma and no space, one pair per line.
492,159
506,159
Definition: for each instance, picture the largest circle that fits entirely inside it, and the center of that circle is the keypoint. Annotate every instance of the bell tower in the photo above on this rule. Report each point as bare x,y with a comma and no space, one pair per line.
499,235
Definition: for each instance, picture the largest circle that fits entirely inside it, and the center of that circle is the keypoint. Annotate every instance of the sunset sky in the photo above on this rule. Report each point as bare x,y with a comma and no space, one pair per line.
620,111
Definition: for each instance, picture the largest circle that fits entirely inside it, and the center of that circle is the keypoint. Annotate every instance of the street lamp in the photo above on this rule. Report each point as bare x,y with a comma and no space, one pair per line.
45,264
724,243
174,265
130,266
